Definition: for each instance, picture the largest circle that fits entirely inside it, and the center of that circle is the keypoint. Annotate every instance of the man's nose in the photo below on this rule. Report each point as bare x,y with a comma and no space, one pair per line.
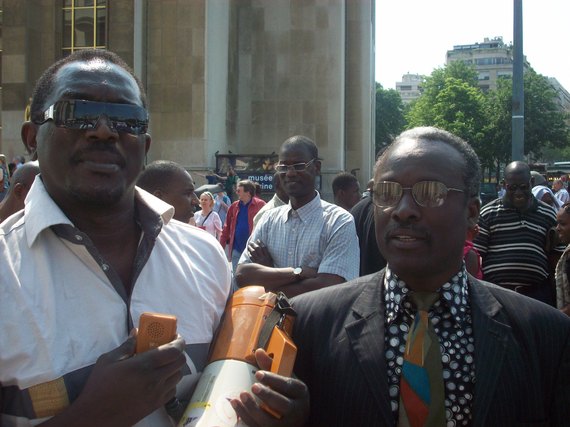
406,209
103,129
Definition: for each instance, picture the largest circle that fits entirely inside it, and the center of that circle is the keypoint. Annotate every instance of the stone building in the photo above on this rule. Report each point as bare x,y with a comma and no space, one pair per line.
222,76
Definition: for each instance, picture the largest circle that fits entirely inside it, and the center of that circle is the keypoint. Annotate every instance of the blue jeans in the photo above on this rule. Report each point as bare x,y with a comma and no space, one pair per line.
236,255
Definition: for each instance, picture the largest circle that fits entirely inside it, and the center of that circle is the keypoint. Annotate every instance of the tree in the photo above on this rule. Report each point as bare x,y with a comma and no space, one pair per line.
544,125
451,100
390,119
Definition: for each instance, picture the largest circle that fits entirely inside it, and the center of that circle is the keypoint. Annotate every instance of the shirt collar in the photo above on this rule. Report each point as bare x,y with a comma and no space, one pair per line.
454,296
305,211
41,211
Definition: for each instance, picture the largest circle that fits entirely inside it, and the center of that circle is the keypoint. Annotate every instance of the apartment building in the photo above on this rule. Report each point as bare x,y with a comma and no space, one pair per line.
410,87
492,59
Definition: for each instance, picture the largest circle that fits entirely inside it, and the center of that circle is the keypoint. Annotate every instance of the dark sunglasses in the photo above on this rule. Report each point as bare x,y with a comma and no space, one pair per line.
515,187
429,194
83,115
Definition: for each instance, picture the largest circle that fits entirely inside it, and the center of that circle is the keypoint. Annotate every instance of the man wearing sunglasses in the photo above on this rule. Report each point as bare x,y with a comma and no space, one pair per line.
491,357
514,240
308,243
88,254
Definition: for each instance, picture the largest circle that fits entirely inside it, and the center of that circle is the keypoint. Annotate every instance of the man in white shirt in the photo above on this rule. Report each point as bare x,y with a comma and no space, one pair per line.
88,254
307,244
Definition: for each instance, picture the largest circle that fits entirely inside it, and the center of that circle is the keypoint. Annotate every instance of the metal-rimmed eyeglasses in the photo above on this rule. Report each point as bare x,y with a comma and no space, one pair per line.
429,194
297,167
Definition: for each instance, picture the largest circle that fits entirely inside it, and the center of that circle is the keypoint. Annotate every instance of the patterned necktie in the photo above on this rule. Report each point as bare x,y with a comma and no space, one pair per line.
422,396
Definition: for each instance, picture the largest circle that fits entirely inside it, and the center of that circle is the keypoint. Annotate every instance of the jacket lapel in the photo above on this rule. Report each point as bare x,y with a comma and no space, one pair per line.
366,335
491,341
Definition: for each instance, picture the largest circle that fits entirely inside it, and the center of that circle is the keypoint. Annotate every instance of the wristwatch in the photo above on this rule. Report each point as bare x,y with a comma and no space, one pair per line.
297,272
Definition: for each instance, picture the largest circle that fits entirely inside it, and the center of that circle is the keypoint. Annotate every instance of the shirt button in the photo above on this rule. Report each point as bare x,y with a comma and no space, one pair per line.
105,267
78,237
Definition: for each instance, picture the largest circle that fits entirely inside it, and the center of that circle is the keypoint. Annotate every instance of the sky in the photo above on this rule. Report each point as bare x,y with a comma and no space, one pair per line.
414,35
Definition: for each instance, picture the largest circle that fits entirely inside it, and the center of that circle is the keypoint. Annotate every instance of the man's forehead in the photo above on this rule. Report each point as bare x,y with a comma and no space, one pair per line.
108,81
294,151
517,175
408,150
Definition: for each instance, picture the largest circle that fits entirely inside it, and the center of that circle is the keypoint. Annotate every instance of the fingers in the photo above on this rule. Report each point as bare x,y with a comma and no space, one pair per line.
124,351
288,387
290,408
263,359
259,253
255,247
167,355
282,401
250,413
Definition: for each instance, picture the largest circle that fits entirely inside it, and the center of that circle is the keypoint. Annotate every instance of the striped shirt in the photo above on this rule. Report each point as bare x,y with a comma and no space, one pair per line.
512,242
317,235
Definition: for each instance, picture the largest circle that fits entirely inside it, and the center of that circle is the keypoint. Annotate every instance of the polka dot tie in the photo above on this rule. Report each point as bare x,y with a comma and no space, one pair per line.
422,396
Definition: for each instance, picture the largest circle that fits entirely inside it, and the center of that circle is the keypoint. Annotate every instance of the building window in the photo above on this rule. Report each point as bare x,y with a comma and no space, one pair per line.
484,76
84,25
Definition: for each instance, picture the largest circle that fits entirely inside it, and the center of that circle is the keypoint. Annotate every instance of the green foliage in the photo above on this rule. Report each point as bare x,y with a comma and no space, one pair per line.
452,101
544,125
390,119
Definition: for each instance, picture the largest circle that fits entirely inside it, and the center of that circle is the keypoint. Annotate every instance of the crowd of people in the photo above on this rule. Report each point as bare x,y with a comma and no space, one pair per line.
397,321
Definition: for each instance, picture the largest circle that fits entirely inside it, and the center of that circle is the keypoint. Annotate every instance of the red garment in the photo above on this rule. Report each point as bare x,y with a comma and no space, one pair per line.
229,230
468,246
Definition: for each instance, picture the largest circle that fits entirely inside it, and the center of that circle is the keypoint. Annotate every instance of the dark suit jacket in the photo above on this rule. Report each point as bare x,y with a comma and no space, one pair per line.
522,356
371,260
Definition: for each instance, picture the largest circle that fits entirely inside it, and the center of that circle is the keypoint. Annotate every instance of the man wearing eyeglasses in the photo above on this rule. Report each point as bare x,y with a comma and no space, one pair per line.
514,238
89,253
422,343
307,244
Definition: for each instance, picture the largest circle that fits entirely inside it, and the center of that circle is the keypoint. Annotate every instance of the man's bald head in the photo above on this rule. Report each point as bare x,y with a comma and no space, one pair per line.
518,193
20,184
25,174
517,167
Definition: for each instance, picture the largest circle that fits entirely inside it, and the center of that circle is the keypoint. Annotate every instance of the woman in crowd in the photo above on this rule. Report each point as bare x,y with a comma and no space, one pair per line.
207,219
221,205
563,266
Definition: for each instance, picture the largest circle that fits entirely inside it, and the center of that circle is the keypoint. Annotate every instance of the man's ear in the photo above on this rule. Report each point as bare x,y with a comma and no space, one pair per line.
318,166
473,208
19,190
28,134
147,142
